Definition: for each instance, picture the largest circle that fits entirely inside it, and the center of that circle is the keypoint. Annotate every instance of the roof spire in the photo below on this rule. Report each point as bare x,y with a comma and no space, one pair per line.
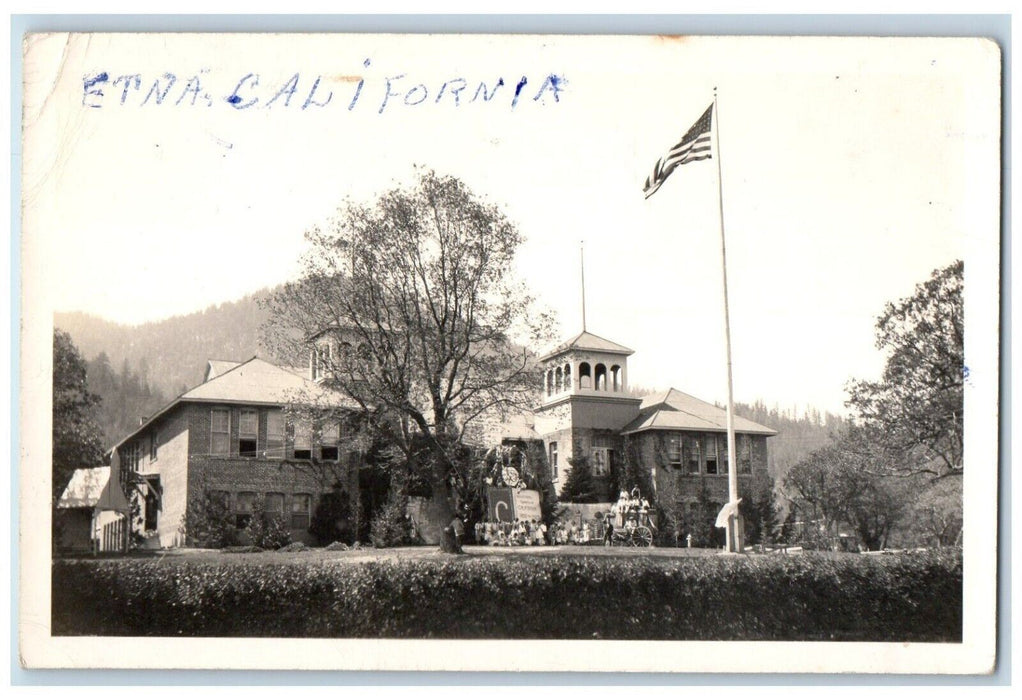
582,262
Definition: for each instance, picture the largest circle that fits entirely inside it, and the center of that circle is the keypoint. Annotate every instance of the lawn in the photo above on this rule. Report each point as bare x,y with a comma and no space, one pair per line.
424,553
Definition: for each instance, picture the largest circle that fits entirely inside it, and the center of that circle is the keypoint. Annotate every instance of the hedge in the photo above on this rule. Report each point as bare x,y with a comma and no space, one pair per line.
907,597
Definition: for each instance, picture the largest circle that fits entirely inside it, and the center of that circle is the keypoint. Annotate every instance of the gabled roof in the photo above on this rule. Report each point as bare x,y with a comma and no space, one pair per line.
676,410
588,341
255,382
91,488
215,368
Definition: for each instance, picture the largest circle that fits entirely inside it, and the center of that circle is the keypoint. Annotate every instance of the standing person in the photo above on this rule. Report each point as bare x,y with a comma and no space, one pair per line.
608,535
542,533
457,529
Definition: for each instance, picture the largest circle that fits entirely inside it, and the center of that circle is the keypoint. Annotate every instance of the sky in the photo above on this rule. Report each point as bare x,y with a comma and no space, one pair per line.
850,170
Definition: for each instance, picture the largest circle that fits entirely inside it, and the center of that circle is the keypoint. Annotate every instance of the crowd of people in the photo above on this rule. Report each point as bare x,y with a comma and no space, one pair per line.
629,506
533,533
630,510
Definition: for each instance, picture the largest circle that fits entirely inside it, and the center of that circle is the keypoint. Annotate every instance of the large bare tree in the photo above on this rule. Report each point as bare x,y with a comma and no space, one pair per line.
428,322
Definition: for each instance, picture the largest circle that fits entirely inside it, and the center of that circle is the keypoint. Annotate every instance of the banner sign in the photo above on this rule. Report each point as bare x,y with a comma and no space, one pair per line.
527,505
501,505
730,508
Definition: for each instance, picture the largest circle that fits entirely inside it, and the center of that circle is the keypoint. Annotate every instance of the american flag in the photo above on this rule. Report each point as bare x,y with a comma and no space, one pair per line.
694,145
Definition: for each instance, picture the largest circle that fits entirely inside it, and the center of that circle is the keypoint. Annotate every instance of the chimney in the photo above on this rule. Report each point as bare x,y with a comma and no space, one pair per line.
142,420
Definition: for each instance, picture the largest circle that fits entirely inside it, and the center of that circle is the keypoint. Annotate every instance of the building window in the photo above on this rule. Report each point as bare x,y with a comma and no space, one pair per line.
152,508
710,441
248,433
567,378
601,461
601,377
330,441
744,454
220,431
303,440
275,434
674,451
615,376
154,446
274,505
585,378
558,380
691,449
244,506
132,457
301,507
553,459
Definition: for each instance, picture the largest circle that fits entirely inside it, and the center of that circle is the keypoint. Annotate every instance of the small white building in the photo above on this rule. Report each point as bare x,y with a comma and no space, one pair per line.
93,513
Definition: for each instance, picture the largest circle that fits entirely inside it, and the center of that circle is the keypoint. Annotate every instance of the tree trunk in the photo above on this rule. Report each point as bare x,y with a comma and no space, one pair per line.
448,540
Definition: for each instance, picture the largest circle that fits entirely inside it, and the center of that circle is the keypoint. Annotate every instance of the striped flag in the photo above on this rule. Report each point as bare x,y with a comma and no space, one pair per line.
694,145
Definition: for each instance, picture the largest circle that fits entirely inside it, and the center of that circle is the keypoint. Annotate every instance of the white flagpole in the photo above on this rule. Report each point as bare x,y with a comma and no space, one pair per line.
582,266
734,526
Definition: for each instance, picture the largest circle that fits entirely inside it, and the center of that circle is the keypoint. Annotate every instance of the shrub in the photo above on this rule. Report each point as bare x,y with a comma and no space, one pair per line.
912,597
331,521
294,547
208,521
390,525
266,529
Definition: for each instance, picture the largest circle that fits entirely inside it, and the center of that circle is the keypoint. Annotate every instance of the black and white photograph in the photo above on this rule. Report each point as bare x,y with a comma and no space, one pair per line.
509,352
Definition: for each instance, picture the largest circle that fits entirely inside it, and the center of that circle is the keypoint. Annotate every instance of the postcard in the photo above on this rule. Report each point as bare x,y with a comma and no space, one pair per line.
509,352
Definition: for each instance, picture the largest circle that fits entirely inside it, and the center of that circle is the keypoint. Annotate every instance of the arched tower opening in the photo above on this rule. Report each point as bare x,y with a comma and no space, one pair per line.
585,377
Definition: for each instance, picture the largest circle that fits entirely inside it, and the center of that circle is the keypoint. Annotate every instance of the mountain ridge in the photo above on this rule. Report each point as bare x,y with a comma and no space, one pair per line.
172,353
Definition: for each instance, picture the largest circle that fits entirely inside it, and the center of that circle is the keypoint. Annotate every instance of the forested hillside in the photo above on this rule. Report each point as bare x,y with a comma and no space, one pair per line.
172,353
797,434
137,369
126,396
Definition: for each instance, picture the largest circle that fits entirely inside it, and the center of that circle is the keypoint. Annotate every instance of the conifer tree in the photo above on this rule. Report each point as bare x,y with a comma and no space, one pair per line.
580,486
